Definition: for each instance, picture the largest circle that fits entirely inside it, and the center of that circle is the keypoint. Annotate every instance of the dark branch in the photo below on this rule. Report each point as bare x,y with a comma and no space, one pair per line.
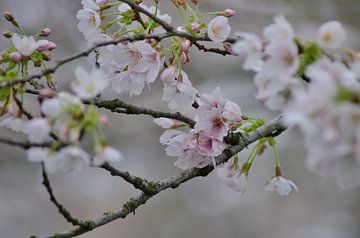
62,210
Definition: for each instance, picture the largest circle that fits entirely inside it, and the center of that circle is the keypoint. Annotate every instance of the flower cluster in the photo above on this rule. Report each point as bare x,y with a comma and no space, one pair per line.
66,120
315,89
197,148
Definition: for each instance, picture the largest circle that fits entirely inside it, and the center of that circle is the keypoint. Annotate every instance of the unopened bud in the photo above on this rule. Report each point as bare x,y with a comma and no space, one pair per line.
51,83
42,45
195,26
15,57
178,3
185,45
196,2
8,34
46,93
45,32
228,12
52,46
9,16
184,58
101,2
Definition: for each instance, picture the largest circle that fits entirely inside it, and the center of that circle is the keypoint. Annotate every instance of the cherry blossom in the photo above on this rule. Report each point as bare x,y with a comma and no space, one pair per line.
164,122
38,130
178,90
219,29
138,63
250,48
43,155
88,85
280,185
89,24
106,154
193,150
72,158
212,124
25,45
332,35
215,113
234,177
280,30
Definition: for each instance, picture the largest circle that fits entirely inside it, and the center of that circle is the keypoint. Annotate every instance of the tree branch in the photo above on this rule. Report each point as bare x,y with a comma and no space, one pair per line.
139,183
275,127
62,210
116,105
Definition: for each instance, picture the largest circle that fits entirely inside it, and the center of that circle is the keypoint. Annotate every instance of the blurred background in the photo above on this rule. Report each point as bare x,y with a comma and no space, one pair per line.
203,207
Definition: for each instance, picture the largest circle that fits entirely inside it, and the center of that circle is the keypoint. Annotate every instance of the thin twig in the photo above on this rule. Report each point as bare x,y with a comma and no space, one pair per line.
139,183
62,210
212,50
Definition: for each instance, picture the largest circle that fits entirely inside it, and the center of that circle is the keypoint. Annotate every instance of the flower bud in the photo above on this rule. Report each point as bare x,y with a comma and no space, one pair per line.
101,2
178,3
228,13
46,93
15,57
45,32
8,34
9,16
195,26
184,58
52,46
196,2
42,45
51,83
185,45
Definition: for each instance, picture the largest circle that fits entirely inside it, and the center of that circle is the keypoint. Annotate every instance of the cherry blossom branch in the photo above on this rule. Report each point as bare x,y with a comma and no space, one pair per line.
139,183
170,31
212,50
115,104
23,145
62,210
119,106
275,127
84,54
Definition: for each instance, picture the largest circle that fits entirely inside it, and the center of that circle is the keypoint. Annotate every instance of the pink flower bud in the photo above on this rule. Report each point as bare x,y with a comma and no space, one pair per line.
195,2
45,32
46,92
42,45
181,29
52,46
9,16
229,12
101,2
15,57
104,120
185,45
195,26
184,58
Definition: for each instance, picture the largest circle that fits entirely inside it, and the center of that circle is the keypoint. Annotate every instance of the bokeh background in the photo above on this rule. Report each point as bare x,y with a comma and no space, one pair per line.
203,207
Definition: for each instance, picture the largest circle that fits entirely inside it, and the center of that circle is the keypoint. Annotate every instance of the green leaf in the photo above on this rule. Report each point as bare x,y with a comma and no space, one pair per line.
311,52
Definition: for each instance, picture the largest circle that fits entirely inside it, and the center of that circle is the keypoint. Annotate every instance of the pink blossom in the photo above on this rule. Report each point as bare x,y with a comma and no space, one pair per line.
212,124
219,29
